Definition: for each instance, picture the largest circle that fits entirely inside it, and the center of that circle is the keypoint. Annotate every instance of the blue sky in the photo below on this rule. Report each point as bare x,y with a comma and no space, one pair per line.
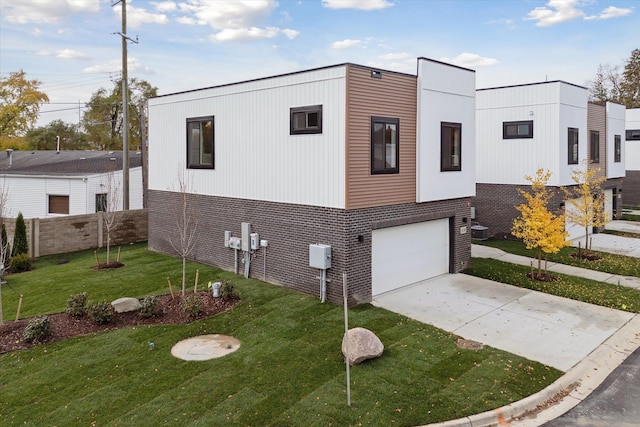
70,45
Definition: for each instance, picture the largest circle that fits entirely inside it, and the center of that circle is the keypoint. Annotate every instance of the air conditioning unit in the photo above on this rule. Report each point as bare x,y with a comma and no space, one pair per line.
479,232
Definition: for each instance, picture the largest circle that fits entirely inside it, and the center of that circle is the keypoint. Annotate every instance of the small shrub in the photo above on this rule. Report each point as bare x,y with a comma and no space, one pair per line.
227,291
100,312
77,305
20,263
38,329
149,306
191,305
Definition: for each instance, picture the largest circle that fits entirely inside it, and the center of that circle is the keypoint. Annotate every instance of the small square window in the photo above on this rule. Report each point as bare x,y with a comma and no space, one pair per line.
572,145
385,145
200,140
450,146
58,204
305,120
617,148
594,147
633,135
515,130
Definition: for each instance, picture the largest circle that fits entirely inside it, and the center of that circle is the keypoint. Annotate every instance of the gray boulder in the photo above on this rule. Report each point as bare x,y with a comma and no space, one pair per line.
363,345
123,305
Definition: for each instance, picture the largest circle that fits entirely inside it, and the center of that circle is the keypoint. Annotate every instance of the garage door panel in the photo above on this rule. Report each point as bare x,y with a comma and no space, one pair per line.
409,253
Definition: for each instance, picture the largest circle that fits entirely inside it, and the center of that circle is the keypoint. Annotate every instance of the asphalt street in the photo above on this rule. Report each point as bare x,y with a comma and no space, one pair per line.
615,402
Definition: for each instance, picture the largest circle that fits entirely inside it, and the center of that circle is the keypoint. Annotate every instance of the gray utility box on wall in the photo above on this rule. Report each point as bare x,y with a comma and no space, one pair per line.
320,256
479,232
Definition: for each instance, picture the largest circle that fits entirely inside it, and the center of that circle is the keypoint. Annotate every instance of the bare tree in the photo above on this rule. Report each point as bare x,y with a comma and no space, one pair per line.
4,244
186,221
111,202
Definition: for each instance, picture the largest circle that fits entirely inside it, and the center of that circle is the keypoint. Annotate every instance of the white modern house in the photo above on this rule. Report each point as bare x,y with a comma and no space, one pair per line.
632,137
299,178
43,184
549,125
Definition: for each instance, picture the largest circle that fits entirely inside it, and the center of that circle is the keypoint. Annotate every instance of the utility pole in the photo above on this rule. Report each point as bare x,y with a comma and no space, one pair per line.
125,106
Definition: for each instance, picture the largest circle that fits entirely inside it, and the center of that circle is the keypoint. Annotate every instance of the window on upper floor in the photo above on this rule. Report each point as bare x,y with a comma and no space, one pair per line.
617,148
515,130
200,143
58,204
450,146
572,146
101,202
305,120
385,145
633,134
594,146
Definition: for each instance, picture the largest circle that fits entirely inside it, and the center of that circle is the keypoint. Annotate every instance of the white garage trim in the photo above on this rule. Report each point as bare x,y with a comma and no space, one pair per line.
407,254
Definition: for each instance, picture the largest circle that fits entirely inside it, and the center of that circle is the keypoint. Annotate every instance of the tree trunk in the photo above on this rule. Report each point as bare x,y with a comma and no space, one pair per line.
539,261
586,238
184,274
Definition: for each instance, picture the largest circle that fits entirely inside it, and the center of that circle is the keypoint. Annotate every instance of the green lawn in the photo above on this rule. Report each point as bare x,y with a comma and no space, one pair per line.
289,370
610,263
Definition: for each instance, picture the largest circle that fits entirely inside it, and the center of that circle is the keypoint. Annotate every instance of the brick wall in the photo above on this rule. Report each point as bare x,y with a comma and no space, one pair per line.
289,229
49,236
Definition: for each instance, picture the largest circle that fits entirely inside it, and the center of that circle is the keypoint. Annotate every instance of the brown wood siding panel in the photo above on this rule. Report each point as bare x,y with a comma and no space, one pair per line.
596,120
392,96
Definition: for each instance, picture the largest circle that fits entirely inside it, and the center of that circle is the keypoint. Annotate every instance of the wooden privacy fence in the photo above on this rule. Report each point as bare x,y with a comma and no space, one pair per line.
55,235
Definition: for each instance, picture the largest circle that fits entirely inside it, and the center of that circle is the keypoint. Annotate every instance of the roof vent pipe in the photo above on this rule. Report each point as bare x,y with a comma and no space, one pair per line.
10,156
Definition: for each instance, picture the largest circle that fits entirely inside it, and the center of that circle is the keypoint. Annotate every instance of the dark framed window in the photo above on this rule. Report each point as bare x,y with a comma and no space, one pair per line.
200,143
58,204
633,134
305,120
385,145
617,148
450,146
572,145
594,146
521,129
101,202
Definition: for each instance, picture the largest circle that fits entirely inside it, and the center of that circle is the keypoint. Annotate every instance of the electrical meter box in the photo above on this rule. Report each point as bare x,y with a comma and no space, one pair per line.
320,256
235,243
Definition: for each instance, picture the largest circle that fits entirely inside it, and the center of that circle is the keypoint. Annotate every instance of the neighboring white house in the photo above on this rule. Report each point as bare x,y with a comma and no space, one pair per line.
631,194
50,183
378,165
549,125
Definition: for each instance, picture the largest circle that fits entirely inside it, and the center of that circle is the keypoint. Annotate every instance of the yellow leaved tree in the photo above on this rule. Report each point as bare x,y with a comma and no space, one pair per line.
538,227
587,207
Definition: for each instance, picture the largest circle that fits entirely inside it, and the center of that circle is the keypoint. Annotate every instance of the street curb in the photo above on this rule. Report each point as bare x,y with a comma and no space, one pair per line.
577,383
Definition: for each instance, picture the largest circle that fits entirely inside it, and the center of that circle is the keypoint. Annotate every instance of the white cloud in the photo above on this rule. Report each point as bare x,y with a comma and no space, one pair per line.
558,11
346,44
470,60
165,6
611,12
72,54
240,20
357,4
115,66
45,11
137,16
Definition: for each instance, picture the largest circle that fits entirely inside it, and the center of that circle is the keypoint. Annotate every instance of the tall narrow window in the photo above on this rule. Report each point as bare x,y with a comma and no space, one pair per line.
572,145
101,202
617,148
200,143
450,146
58,204
305,120
385,147
513,130
594,146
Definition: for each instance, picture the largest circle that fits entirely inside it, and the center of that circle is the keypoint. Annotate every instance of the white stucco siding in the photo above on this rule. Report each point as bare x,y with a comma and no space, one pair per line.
553,107
255,157
615,126
632,158
445,94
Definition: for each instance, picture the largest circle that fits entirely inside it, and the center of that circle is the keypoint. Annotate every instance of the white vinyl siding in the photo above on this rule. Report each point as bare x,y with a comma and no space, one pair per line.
445,94
554,107
615,126
256,157
632,154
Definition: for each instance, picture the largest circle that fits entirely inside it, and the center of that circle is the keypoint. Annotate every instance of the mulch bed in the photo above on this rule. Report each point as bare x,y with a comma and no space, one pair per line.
542,277
589,256
64,326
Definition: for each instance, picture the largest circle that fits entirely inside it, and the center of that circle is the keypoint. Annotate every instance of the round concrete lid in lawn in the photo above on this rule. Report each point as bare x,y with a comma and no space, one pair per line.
205,347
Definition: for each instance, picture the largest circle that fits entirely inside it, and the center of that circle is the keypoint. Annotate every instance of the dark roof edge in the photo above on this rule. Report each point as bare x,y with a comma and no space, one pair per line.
532,84
445,63
344,64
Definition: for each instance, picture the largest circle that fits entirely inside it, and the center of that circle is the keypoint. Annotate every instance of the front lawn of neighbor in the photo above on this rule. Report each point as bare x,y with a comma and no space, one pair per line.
288,371
610,263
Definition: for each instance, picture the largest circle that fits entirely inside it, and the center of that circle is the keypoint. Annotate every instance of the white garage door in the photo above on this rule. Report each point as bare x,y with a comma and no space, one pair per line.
407,254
